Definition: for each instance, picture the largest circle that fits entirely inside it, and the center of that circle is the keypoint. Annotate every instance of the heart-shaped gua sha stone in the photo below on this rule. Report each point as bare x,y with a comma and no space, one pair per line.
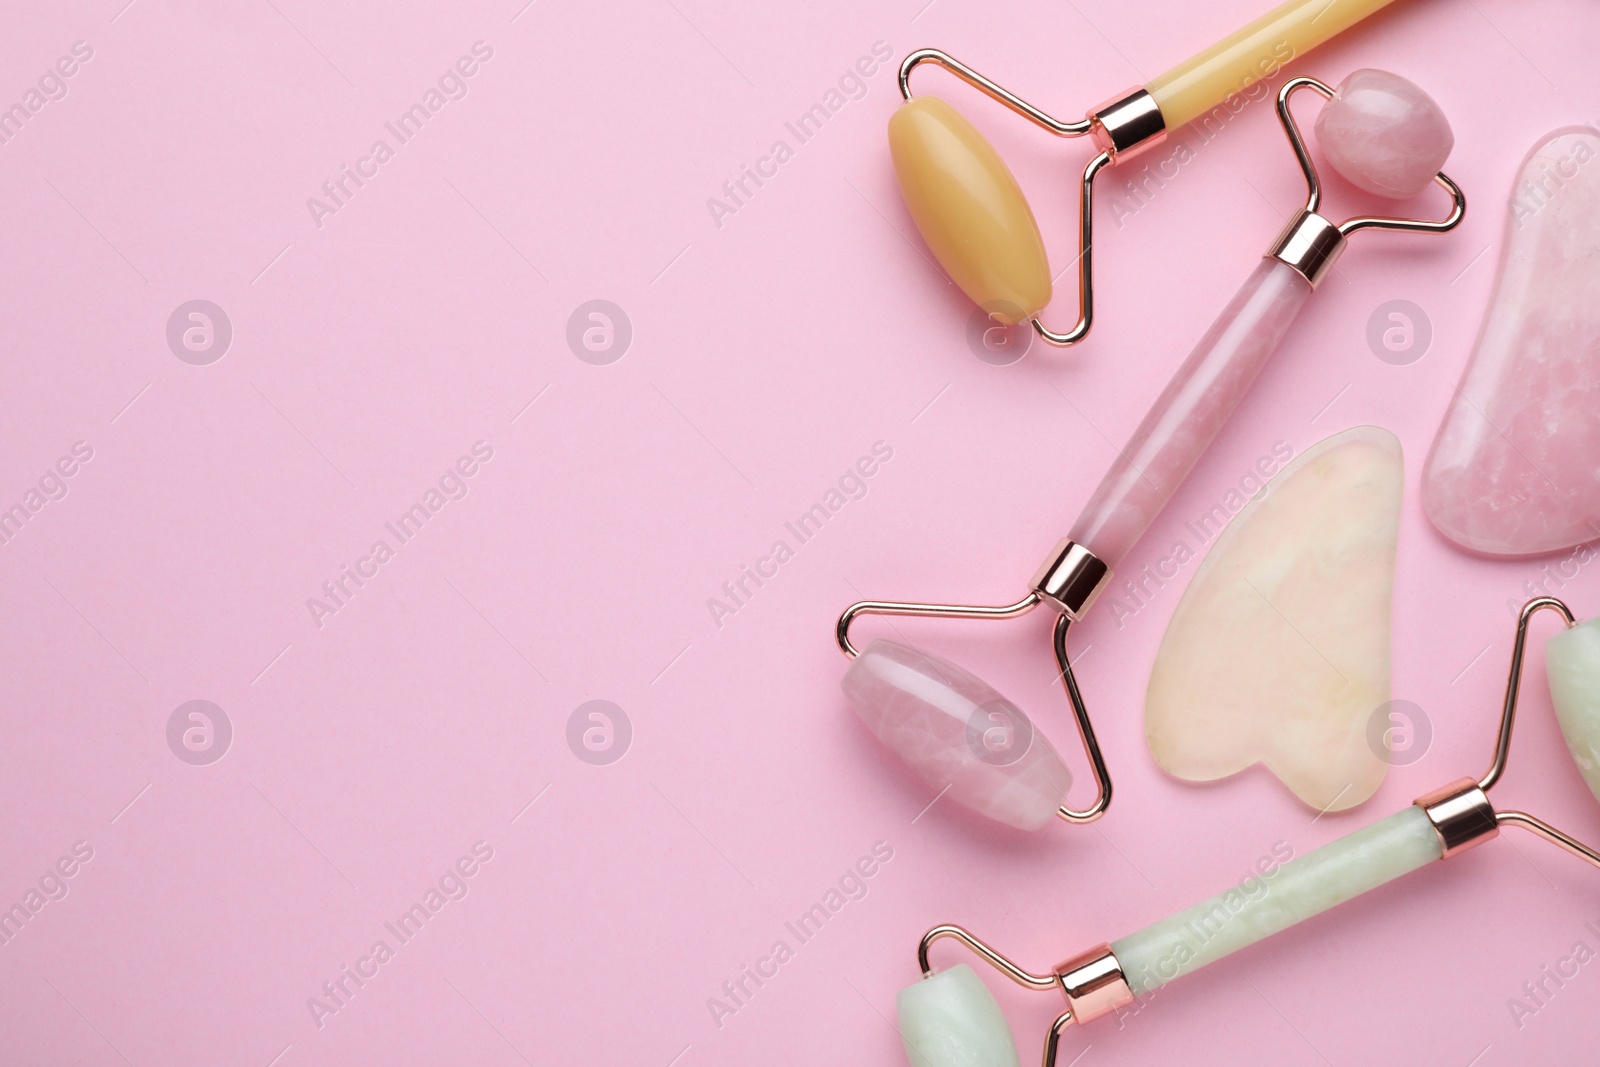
1515,468
1278,652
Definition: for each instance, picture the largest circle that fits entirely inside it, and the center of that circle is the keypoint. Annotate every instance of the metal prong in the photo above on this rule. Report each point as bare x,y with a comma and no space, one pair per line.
1502,750
1080,713
990,89
1052,1042
1080,329
1026,979
1508,711
1125,125
1550,834
841,630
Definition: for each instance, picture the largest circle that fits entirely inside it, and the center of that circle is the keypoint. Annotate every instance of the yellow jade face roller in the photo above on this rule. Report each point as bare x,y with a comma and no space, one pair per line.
972,213
950,1019
959,734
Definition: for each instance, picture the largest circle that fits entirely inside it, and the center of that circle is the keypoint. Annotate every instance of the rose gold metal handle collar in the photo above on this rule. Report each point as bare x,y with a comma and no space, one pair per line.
1092,981
1461,813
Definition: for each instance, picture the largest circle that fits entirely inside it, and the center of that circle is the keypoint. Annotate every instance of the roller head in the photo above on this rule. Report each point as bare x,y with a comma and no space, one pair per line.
1384,134
958,734
952,1020
1572,663
970,210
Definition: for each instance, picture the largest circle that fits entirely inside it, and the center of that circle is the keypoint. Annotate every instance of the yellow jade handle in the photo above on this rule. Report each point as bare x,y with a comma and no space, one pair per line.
1252,53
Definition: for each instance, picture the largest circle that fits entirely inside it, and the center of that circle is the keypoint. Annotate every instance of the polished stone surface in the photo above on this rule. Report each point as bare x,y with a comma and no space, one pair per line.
1262,906
1191,411
1572,663
970,210
1278,652
1515,468
952,1020
1384,134
955,730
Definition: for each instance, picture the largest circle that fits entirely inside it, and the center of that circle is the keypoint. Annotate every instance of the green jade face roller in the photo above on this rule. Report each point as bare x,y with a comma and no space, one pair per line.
950,1019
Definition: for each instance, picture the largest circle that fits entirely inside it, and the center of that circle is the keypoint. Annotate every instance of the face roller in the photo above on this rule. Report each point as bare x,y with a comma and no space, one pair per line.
950,1018
956,731
970,209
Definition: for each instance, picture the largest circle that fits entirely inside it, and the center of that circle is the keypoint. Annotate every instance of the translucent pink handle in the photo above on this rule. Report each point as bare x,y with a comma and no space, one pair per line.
1190,411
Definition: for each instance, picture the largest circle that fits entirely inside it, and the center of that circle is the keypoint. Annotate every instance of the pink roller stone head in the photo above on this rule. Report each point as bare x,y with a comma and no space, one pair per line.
1384,134
958,734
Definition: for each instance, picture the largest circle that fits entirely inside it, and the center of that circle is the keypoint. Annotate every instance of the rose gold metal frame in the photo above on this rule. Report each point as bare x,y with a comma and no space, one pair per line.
1068,581
1310,243
1121,128
1461,813
1092,981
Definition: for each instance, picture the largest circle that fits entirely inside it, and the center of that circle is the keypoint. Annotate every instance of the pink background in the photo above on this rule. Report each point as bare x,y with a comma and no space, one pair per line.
768,354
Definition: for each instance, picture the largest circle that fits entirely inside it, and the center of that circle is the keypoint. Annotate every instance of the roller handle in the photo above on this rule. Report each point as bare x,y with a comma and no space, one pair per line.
1191,411
1252,53
950,1019
1276,896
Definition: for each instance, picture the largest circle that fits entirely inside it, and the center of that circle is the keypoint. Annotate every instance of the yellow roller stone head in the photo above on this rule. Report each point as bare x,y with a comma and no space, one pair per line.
969,207
970,210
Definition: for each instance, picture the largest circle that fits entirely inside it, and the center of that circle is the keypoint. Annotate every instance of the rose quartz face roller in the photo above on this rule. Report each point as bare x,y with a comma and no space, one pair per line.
950,1019
961,735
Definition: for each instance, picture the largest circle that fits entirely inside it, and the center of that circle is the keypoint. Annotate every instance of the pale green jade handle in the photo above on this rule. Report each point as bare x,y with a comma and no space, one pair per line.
1292,893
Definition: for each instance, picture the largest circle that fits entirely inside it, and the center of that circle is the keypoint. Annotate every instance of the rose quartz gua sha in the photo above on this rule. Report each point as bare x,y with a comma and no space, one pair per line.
1515,469
960,735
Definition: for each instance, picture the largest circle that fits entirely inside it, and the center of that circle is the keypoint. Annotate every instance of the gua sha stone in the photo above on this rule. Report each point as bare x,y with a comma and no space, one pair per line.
1278,652
1515,468
1384,134
956,731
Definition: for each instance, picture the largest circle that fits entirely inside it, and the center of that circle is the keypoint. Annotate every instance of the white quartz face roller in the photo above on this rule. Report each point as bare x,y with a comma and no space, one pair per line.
972,213
961,735
950,1019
